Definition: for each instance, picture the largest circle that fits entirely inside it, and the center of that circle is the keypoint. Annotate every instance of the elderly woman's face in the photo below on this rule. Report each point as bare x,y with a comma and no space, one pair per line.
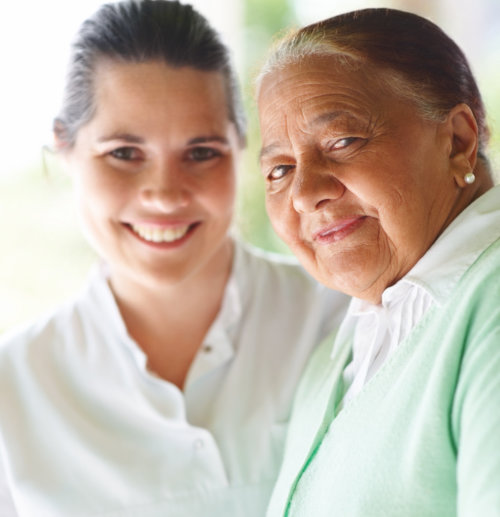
357,183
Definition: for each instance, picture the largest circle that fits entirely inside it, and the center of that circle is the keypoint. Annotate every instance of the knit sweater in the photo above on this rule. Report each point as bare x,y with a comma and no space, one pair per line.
423,437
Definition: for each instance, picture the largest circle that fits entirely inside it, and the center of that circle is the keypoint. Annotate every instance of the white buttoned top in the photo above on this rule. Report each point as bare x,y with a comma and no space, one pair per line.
87,430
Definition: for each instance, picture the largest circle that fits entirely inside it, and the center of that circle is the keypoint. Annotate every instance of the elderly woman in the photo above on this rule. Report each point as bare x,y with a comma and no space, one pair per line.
374,136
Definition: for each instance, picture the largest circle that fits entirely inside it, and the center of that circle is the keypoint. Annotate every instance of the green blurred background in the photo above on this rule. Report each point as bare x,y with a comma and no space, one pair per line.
44,258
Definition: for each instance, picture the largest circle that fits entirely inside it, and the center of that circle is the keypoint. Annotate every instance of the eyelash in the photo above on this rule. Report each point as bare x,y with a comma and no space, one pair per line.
286,168
336,145
196,154
207,153
124,153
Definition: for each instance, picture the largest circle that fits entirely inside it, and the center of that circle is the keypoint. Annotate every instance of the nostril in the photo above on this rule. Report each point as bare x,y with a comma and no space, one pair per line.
321,203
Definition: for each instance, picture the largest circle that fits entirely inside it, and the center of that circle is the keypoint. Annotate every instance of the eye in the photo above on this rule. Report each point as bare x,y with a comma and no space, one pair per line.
126,153
343,143
279,172
202,154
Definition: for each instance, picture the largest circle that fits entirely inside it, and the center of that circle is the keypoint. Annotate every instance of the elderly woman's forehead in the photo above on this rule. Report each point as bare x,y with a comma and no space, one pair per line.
325,72
321,94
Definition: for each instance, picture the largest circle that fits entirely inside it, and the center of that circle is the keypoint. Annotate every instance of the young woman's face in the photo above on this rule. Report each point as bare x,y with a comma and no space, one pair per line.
154,171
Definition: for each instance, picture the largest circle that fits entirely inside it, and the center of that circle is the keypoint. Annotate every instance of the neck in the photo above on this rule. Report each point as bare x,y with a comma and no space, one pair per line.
169,320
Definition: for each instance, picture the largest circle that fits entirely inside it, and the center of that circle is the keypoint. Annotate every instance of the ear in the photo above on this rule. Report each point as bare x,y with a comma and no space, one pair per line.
464,130
59,133
60,144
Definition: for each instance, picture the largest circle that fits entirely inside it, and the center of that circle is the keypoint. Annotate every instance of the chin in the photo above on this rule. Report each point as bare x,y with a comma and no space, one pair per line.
345,276
168,277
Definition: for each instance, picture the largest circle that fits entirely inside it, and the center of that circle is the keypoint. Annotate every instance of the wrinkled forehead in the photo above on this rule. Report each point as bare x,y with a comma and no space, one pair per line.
325,72
317,91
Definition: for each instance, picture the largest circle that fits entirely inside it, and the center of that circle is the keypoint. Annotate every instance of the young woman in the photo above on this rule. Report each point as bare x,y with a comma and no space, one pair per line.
164,388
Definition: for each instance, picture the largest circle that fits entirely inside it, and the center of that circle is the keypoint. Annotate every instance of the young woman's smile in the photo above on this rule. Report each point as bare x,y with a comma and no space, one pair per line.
162,235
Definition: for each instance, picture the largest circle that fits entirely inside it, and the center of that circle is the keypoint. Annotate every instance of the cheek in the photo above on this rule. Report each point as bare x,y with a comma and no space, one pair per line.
228,189
220,192
384,195
273,211
99,194
284,221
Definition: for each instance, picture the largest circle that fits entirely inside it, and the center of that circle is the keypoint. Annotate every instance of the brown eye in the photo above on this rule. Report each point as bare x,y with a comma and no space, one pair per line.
344,143
279,172
125,153
201,154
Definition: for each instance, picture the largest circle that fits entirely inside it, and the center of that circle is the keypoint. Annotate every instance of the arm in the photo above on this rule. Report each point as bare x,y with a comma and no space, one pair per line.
477,419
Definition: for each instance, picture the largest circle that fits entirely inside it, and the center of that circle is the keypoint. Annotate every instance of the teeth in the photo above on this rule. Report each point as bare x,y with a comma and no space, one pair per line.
156,234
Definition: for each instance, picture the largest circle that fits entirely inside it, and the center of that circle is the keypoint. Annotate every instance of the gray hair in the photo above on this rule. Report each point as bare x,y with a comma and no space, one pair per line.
414,57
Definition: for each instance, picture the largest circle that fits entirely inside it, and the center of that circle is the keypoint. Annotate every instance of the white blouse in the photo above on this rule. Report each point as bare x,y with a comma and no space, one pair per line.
87,430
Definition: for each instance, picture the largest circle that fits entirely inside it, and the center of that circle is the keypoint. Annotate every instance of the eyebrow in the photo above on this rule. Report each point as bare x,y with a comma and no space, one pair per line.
207,139
126,137
133,139
268,149
331,116
320,120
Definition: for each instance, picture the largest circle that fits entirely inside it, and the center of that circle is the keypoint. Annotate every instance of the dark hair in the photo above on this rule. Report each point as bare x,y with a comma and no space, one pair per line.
416,58
137,31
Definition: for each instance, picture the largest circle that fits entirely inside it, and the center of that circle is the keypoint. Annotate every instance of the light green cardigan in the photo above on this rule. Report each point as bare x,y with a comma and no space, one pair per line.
423,437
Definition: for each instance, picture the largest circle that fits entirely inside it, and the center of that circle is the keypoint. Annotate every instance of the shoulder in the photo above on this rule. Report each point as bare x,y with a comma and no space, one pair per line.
488,263
46,338
480,285
478,297
274,270
37,337
253,256
279,283
30,356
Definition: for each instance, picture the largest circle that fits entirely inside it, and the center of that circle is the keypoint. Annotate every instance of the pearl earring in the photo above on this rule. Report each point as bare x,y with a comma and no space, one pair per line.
470,178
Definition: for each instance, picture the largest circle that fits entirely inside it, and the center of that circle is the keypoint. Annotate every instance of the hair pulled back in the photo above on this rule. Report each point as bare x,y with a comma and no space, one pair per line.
416,59
137,31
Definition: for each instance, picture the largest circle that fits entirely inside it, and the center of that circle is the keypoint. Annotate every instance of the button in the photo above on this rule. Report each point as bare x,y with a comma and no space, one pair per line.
207,349
198,444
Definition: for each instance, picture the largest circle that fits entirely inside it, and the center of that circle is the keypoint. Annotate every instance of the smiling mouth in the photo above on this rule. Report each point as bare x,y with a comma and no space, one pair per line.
339,231
158,234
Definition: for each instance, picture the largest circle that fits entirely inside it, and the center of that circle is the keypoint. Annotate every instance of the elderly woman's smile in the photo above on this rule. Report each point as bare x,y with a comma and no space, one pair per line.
338,230
358,184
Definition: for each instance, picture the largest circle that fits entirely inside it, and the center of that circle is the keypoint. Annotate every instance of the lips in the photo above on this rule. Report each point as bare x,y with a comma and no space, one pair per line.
338,230
157,233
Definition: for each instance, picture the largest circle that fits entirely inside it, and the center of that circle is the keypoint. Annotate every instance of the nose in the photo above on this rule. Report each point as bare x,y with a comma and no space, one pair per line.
164,189
314,185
